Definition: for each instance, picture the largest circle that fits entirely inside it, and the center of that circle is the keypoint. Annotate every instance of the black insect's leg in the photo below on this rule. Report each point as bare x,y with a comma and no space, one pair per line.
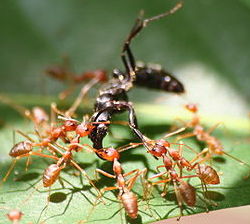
141,23
123,105
127,56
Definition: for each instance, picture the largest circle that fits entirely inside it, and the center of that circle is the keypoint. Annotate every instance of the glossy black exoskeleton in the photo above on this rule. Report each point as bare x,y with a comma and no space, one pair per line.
113,98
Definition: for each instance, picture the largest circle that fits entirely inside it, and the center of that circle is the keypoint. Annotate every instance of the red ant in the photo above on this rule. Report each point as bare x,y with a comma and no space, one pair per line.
171,157
184,191
93,77
51,133
126,196
214,144
51,174
14,216
62,73
23,149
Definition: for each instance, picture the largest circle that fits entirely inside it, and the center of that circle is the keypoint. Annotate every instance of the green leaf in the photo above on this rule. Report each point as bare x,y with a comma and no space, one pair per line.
74,201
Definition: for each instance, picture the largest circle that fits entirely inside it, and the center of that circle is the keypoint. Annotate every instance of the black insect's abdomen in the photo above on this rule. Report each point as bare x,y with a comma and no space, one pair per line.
158,79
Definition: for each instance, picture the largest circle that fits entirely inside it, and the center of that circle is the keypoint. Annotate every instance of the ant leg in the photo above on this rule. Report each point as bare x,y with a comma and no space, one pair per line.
20,109
147,187
28,162
198,156
65,93
54,112
105,173
80,97
183,136
174,132
130,183
26,155
159,175
128,146
158,167
97,199
86,175
9,171
136,29
83,172
236,159
24,135
131,172
211,129
132,117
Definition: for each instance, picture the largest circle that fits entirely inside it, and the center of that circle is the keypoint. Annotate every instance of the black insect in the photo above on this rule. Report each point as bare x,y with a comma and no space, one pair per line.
113,97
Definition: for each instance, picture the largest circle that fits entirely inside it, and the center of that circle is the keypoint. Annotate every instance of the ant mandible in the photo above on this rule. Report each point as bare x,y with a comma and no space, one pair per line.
113,97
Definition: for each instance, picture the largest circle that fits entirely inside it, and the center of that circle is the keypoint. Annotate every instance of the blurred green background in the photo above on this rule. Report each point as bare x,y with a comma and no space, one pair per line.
205,44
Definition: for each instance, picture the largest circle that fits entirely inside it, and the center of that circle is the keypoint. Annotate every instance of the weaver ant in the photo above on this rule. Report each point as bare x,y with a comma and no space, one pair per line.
14,215
214,146
113,97
62,73
126,196
23,149
51,174
184,191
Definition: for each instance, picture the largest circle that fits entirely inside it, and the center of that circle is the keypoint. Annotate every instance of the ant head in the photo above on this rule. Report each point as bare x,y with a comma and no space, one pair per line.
101,75
14,215
219,150
109,154
84,129
159,148
191,107
57,72
56,132
70,125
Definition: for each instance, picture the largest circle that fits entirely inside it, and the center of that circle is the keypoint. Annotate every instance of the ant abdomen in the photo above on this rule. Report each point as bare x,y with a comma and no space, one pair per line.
21,148
50,175
188,193
129,201
156,78
208,174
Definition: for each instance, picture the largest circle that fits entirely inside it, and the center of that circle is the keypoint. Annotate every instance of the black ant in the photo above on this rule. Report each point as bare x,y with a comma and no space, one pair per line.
113,97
